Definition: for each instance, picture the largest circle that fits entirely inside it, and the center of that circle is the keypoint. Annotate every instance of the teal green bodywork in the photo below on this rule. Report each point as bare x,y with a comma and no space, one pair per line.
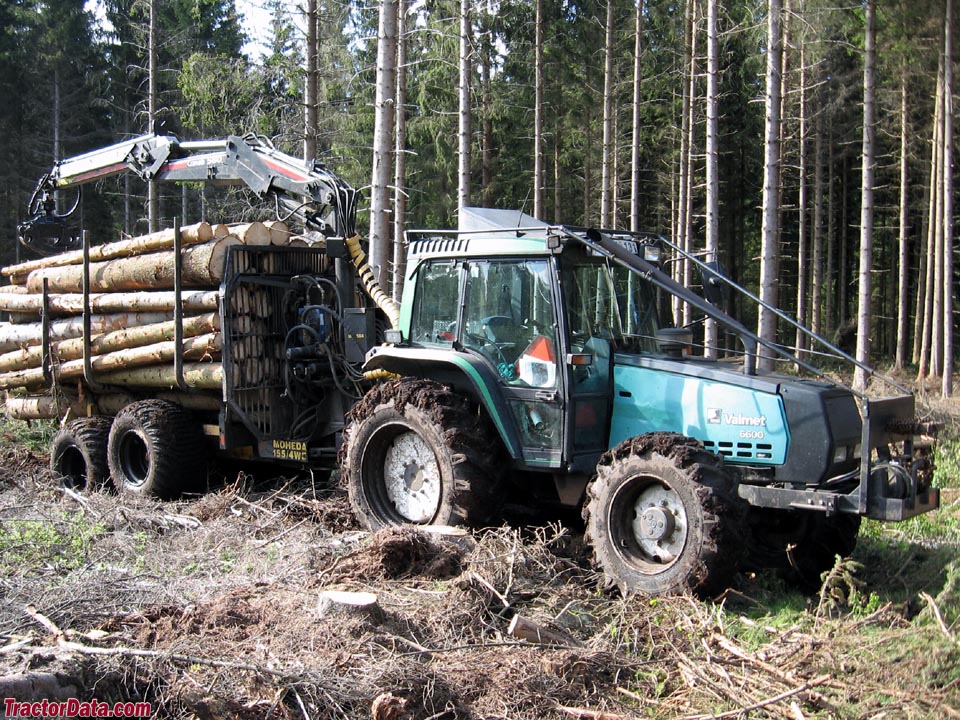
741,424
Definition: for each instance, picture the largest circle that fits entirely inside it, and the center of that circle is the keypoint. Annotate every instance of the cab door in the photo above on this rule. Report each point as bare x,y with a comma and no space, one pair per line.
510,317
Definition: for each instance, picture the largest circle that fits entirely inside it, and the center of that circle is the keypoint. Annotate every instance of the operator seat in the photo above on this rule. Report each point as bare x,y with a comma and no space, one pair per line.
509,337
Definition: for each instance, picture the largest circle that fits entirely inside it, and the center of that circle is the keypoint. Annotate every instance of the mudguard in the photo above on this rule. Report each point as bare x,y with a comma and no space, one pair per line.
462,371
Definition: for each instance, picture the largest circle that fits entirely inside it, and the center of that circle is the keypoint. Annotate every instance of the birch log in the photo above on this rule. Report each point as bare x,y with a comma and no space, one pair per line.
196,348
72,303
202,267
40,407
162,240
137,336
14,336
199,375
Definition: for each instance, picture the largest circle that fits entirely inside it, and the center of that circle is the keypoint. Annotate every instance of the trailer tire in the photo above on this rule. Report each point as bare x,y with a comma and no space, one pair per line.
78,453
663,517
415,452
801,545
156,449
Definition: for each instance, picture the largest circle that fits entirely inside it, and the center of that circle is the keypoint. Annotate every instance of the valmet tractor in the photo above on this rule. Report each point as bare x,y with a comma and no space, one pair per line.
523,355
535,355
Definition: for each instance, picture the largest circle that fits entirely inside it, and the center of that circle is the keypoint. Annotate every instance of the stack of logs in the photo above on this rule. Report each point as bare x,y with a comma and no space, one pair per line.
131,318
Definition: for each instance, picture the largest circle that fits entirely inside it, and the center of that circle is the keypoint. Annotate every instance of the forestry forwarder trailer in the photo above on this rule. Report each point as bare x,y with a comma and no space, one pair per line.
534,355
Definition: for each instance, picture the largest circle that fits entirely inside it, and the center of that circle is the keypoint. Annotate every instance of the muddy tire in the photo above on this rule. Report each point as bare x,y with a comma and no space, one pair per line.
663,517
417,453
799,545
156,449
78,453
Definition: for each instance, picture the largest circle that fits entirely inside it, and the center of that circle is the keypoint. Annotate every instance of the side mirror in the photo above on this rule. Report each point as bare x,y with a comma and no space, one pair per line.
715,287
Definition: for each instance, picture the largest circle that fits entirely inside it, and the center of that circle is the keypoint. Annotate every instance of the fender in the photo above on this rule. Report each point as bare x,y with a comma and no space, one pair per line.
462,371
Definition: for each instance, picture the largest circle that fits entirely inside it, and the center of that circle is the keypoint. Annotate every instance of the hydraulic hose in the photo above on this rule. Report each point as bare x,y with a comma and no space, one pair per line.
370,284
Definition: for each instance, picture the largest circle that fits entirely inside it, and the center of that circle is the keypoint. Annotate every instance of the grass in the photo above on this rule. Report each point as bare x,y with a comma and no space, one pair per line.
35,435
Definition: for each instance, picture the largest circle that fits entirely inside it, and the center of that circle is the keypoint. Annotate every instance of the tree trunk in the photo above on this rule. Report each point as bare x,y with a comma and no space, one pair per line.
607,179
310,84
770,223
637,119
713,162
801,339
161,240
486,158
162,353
44,407
816,288
101,344
903,291
72,304
937,256
199,375
14,336
539,172
865,287
153,194
203,266
691,153
400,158
463,132
948,279
383,139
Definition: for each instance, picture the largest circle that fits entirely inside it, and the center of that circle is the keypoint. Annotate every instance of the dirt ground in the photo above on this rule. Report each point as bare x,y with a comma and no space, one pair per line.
220,607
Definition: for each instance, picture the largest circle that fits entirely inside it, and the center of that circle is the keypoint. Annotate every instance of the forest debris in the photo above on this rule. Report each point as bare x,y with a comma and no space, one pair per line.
526,629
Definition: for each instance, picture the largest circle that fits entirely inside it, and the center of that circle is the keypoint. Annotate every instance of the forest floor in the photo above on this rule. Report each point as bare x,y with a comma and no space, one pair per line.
212,608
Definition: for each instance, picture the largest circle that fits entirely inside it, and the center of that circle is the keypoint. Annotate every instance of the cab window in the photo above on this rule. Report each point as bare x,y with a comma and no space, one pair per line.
434,319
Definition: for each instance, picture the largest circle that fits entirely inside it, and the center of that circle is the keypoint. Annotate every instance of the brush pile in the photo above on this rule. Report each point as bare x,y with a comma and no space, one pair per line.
132,329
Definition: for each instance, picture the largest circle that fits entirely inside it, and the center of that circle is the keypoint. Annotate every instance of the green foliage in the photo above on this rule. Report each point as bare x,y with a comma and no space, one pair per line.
60,543
220,95
34,435
946,459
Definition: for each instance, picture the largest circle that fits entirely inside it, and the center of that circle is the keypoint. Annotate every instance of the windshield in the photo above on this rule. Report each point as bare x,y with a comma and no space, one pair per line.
609,303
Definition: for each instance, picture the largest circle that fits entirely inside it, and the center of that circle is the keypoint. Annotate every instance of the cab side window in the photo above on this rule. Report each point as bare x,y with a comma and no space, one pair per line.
434,319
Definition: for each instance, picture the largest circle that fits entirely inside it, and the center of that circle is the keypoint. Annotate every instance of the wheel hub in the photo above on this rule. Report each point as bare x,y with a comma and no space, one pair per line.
656,523
412,478
659,524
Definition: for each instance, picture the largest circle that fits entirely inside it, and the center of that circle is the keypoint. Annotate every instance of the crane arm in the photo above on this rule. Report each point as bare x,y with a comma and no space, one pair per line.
306,190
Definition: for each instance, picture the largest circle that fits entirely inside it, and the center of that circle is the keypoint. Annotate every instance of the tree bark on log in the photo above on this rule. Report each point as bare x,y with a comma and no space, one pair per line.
202,267
195,348
162,240
46,407
72,303
199,375
31,357
255,233
14,336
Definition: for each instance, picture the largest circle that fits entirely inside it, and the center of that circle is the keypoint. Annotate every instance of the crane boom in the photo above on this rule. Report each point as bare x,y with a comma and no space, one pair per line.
307,190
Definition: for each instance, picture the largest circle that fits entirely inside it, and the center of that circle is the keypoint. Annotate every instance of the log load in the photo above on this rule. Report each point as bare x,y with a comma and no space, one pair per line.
161,240
202,267
132,332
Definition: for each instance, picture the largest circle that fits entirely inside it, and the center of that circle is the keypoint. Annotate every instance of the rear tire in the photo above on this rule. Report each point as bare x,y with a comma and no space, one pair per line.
663,517
417,453
156,449
78,453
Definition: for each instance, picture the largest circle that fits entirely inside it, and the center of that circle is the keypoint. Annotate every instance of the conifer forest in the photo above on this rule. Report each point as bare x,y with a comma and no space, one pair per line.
808,146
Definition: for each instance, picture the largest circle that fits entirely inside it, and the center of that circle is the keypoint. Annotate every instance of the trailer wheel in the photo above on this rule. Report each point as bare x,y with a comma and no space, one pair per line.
78,453
415,452
156,449
663,517
800,545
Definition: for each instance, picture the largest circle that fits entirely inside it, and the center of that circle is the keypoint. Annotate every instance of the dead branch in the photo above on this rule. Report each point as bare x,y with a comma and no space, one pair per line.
763,703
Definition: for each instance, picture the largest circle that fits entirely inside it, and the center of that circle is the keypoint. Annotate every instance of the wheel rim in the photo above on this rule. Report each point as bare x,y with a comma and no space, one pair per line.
412,478
134,458
648,524
72,468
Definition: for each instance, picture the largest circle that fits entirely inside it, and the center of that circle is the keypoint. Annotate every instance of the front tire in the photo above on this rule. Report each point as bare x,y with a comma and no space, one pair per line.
417,453
78,453
663,517
156,449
